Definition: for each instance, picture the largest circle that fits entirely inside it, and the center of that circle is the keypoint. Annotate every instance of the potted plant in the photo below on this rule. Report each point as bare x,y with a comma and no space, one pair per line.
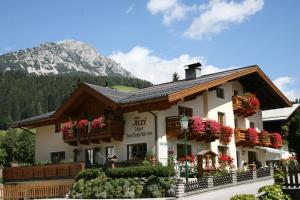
252,135
97,124
67,129
82,127
276,140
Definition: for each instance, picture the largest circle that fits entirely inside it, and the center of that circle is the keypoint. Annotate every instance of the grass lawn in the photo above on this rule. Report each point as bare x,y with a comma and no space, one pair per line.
124,88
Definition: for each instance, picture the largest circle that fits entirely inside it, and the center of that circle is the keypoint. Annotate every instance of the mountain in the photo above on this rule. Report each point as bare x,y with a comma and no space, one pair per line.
63,57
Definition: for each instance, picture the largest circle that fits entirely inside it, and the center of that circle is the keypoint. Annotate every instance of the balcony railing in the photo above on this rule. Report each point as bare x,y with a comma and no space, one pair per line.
113,129
241,139
42,172
173,130
240,106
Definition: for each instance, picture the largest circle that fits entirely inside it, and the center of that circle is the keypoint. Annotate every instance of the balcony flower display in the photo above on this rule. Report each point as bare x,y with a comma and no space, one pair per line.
263,137
83,123
252,102
212,127
226,134
225,159
252,135
198,126
189,158
67,129
98,123
276,140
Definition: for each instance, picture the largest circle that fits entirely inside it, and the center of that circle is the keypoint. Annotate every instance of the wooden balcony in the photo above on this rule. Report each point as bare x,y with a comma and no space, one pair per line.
113,129
240,106
173,130
241,139
42,172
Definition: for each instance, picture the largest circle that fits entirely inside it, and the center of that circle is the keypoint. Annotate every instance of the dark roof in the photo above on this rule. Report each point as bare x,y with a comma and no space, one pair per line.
161,90
38,118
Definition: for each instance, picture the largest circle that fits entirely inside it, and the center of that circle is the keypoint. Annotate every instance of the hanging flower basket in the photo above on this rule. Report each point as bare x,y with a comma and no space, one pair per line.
276,140
226,134
67,129
252,135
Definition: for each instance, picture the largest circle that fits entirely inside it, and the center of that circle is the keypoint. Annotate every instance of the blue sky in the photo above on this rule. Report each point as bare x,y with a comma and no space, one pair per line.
154,38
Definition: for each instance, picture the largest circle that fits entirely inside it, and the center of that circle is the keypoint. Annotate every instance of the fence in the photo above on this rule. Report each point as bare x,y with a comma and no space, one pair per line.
211,182
11,192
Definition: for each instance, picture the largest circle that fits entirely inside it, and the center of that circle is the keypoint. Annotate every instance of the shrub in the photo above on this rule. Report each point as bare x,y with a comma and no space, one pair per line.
279,177
88,174
140,171
243,197
273,192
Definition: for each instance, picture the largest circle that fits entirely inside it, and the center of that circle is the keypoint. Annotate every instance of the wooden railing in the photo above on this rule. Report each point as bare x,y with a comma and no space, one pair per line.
173,130
41,172
239,106
113,129
35,191
241,139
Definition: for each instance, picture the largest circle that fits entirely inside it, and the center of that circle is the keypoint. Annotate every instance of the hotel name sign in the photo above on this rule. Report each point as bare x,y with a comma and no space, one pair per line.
138,127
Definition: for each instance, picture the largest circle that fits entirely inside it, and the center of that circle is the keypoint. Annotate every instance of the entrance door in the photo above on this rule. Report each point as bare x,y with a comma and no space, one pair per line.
252,157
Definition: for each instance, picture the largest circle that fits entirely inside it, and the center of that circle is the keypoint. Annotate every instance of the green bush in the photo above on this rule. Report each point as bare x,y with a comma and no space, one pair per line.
243,197
88,174
279,177
273,192
140,171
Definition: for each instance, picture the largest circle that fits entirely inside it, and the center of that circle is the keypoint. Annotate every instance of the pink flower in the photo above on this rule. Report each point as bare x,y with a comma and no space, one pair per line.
227,133
212,126
67,128
198,125
252,135
277,140
82,123
98,122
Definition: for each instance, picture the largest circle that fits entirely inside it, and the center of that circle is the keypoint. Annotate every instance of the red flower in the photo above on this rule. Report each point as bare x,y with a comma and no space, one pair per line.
190,158
225,158
226,135
67,128
252,135
198,125
82,123
252,103
98,122
263,137
212,126
276,140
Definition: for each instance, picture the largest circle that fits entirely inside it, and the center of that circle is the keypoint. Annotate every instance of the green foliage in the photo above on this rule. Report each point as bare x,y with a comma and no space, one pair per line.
279,177
243,197
23,95
294,133
175,77
140,171
273,192
18,147
88,174
3,157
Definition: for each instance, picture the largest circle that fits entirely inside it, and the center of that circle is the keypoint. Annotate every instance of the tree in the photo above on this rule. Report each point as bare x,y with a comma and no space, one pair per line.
175,77
294,134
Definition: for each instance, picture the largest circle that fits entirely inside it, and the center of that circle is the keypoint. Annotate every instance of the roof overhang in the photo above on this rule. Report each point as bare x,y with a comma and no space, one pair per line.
253,79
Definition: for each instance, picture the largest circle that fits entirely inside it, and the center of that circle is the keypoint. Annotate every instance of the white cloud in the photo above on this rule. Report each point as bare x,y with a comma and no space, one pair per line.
172,10
143,64
213,17
129,9
219,14
284,84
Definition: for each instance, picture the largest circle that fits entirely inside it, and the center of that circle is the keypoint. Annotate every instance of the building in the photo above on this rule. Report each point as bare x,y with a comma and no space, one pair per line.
277,120
147,120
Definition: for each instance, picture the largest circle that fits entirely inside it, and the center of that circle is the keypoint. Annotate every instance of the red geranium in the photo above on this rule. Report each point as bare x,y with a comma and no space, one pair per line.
212,126
276,140
263,137
67,128
225,158
82,123
198,125
252,135
226,135
252,103
190,158
98,122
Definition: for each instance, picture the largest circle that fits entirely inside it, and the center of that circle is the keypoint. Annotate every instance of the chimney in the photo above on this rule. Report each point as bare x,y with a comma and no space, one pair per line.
193,71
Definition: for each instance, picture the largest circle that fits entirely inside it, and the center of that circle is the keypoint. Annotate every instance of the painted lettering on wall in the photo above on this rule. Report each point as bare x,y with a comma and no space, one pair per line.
138,125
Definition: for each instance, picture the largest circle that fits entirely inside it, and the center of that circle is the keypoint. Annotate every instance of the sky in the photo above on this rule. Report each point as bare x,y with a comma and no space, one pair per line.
155,38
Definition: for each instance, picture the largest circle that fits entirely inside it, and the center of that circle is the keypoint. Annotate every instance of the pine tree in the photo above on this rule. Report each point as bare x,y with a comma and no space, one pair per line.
175,77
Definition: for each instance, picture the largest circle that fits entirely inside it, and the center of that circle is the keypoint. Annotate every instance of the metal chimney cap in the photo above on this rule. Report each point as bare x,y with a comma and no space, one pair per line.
194,65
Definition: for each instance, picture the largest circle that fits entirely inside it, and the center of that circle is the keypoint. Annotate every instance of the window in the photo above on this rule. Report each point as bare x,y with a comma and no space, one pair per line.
235,92
221,118
57,157
236,123
185,111
136,151
181,150
89,156
109,152
220,93
223,150
252,125
57,127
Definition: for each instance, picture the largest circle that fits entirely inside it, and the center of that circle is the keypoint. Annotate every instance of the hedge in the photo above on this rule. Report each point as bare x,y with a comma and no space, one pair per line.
243,197
140,171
